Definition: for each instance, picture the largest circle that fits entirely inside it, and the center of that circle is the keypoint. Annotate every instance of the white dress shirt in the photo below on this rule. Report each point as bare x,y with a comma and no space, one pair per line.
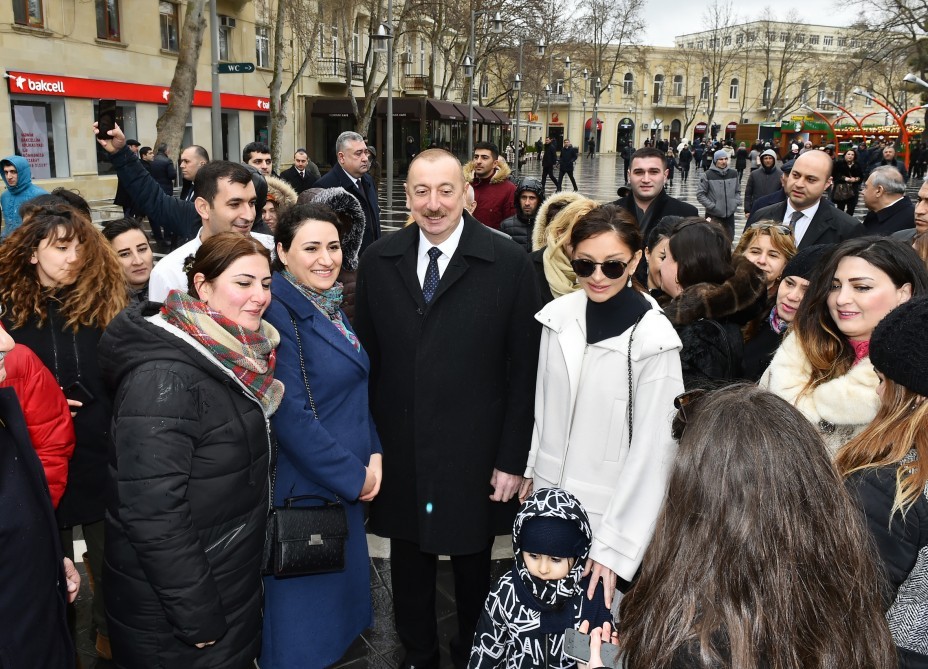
802,225
447,248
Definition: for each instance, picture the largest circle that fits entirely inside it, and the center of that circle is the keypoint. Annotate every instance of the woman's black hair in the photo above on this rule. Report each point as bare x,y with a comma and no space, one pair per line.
663,229
293,218
607,218
112,229
702,251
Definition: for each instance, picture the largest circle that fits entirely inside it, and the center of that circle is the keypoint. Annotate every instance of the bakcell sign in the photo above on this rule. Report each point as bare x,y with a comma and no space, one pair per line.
25,83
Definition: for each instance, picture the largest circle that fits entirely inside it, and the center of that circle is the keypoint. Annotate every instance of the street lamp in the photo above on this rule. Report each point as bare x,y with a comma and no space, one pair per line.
597,86
915,79
517,88
470,70
383,43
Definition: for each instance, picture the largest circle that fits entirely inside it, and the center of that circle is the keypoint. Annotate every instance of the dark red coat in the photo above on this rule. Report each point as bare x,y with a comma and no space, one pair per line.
48,417
495,196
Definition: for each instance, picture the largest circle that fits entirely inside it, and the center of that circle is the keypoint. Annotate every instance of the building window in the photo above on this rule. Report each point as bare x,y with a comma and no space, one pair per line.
704,89
733,89
40,136
813,39
820,100
628,84
168,12
262,47
827,40
784,37
768,92
224,35
727,40
28,13
356,43
699,44
108,19
658,88
752,36
842,41
678,84
689,45
868,102
739,40
799,38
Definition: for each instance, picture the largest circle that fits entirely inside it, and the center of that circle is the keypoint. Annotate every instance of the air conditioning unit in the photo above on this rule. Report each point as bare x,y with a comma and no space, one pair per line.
405,57
227,21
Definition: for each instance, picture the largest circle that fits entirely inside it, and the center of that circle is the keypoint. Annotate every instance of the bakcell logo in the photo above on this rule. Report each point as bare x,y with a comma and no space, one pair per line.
40,86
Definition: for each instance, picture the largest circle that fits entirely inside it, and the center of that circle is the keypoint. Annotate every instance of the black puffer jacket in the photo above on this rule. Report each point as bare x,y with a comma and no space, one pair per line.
709,317
72,356
187,501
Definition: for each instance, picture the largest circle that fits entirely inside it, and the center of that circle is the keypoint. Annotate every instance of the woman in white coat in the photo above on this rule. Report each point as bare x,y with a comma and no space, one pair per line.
608,373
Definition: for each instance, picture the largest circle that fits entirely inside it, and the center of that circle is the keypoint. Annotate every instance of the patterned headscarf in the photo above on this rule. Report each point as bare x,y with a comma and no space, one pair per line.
552,503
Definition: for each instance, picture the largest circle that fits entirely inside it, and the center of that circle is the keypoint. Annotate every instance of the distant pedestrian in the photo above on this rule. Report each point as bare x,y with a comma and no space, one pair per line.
590,147
548,161
569,156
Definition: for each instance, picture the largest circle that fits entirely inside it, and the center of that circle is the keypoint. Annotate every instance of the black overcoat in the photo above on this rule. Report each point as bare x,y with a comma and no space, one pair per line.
452,384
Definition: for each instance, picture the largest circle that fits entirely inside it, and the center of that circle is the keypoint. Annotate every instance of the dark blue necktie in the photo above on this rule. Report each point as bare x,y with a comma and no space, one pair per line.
430,285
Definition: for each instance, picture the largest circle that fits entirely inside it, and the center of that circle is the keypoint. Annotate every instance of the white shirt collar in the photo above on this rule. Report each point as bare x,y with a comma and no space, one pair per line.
447,247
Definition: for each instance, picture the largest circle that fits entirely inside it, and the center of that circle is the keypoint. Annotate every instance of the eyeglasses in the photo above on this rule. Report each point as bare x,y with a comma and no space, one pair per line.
681,403
779,227
612,269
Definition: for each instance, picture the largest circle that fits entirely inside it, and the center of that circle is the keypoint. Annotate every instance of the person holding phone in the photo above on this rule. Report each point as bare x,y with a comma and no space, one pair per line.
60,286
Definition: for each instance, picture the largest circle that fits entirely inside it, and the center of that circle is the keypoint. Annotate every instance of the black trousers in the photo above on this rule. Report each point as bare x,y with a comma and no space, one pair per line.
548,172
413,575
570,175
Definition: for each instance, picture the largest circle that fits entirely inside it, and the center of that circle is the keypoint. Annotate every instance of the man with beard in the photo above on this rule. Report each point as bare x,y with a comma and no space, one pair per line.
648,202
492,188
529,196
763,181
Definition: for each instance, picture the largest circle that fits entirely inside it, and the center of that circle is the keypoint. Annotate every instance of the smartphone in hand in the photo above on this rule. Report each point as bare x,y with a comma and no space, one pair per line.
106,118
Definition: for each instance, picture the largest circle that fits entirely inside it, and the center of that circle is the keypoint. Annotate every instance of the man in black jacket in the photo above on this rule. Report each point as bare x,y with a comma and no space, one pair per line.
569,155
811,216
303,173
548,161
351,173
884,195
445,311
648,202
163,170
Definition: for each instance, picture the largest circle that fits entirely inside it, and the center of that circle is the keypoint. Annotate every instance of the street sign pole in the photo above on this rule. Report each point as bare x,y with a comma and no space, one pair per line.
216,152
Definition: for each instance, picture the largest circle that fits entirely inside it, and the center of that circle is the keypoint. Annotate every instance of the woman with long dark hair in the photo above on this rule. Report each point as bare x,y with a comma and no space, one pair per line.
823,366
759,558
848,176
886,467
188,481
327,442
608,370
711,298
60,286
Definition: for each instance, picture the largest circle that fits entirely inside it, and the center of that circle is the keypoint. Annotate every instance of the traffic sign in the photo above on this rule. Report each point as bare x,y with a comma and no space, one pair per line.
235,68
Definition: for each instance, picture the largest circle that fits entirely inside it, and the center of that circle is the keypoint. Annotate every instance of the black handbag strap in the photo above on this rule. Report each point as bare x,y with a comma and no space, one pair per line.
301,498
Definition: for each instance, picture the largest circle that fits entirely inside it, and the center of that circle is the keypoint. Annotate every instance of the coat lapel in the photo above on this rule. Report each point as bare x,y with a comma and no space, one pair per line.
820,224
402,245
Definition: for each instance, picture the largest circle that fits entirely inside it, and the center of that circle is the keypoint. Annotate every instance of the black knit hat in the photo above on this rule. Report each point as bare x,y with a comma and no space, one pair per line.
897,349
558,537
809,259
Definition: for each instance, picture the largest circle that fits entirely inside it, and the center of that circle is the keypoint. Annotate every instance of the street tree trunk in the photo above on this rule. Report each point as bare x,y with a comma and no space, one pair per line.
172,123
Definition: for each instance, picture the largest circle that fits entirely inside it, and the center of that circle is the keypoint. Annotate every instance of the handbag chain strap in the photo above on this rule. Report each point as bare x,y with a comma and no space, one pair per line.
299,347
631,396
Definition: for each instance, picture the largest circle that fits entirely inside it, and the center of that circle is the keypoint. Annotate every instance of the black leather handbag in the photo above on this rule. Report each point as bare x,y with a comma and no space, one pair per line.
303,540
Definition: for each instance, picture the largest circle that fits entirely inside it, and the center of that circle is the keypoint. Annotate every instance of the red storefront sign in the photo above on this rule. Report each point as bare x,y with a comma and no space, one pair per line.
26,83
700,128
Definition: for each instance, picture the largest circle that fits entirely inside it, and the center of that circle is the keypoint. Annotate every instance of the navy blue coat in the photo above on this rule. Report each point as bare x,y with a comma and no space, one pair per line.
338,177
310,621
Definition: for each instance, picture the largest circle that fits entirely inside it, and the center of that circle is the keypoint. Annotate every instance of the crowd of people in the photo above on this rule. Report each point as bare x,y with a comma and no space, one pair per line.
707,454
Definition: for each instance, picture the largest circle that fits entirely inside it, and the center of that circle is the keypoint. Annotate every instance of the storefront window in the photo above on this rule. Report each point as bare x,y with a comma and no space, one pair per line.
262,125
125,119
39,136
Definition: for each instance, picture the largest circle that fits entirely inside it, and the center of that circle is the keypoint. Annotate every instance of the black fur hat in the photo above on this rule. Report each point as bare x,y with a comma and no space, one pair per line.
344,203
896,348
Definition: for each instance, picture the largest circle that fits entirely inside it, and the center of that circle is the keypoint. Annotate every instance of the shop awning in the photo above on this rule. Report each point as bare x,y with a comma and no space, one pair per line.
502,116
439,109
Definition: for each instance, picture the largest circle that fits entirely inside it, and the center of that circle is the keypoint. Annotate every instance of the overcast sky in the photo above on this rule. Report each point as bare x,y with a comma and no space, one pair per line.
669,18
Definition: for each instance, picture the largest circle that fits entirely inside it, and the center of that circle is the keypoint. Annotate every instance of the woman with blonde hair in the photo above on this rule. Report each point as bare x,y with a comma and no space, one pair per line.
823,366
886,467
769,245
60,285
553,224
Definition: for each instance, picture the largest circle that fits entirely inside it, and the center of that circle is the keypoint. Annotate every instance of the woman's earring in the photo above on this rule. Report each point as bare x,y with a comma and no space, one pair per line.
629,284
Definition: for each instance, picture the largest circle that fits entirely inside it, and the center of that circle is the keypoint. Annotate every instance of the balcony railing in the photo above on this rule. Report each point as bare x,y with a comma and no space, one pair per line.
415,82
335,67
674,101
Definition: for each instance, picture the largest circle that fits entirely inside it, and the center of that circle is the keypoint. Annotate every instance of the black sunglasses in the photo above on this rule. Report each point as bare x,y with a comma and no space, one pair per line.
613,269
681,403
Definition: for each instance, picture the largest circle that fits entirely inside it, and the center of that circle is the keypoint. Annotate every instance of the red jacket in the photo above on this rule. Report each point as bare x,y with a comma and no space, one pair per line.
48,416
495,196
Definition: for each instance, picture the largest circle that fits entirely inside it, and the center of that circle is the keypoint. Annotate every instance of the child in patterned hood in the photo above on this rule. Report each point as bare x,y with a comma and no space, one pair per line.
527,612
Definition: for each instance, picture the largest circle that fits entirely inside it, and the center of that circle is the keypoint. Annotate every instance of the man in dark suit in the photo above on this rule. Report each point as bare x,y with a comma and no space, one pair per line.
351,173
302,174
813,219
445,311
884,195
648,202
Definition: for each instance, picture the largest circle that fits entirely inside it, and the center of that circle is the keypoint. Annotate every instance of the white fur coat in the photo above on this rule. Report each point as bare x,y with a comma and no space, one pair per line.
839,409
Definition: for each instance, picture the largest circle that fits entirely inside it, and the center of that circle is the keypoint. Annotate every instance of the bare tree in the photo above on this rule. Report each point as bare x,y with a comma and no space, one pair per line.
607,34
778,51
685,62
296,28
720,52
172,123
